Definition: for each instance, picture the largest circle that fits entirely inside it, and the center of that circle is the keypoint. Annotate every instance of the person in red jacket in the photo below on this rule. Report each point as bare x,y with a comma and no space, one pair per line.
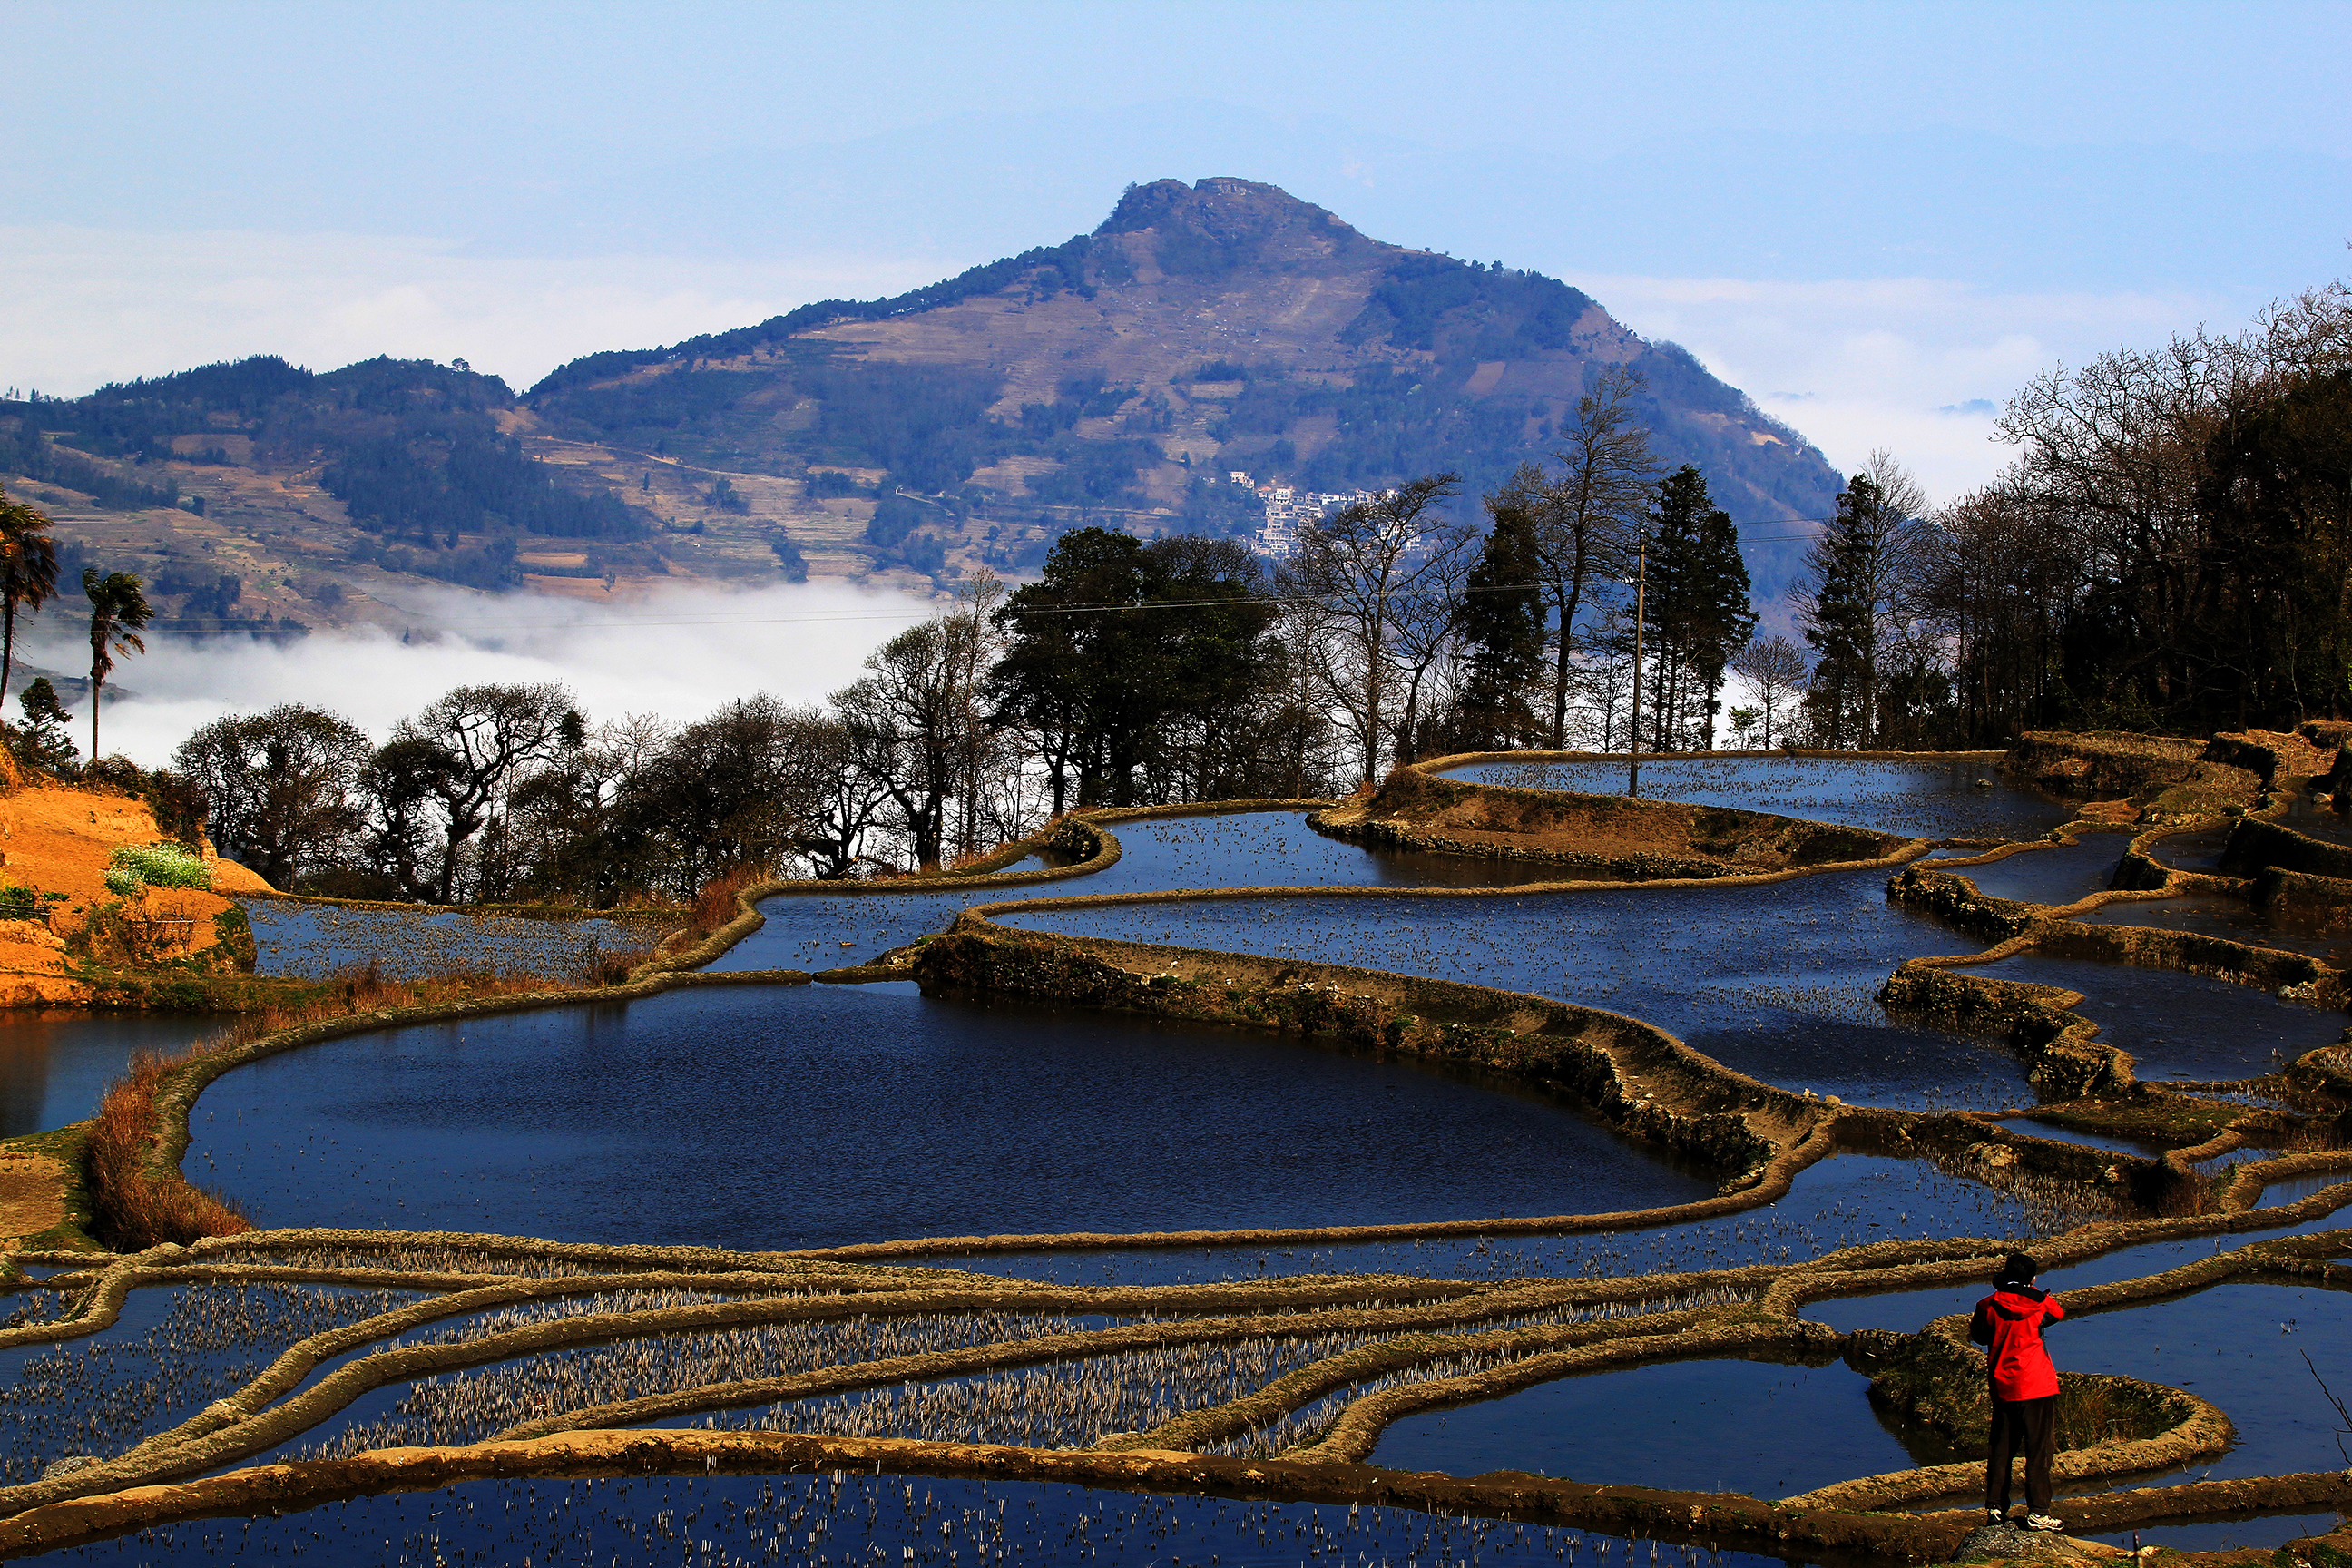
2024,1389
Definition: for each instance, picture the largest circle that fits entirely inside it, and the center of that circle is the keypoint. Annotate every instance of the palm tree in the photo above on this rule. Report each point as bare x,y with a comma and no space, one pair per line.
117,612
28,573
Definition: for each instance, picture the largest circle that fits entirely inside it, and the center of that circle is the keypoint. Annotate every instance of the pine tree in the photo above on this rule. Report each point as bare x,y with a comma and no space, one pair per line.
1502,625
1840,697
43,740
1864,567
1700,612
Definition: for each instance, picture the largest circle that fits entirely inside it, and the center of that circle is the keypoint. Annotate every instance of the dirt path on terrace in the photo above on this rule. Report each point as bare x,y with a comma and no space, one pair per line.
32,1195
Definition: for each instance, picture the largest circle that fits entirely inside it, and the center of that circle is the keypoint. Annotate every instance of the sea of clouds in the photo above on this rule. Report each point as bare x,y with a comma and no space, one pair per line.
677,652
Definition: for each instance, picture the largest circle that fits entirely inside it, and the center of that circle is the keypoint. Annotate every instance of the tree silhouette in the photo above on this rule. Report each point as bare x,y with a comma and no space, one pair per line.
1352,573
28,573
1588,514
118,612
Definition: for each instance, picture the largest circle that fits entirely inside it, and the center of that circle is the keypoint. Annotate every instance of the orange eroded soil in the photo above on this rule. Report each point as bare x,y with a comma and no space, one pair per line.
58,840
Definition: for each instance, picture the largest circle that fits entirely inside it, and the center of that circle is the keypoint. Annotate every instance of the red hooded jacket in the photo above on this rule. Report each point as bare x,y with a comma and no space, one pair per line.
2009,1322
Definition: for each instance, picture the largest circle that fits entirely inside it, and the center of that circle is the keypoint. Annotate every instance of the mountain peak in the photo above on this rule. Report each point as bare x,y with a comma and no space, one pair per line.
1222,209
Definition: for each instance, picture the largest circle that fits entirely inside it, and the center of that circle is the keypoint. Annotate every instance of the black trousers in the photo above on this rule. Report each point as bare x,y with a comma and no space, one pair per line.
2028,1427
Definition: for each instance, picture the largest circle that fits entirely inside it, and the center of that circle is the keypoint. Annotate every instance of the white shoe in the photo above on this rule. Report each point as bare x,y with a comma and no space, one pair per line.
2044,1521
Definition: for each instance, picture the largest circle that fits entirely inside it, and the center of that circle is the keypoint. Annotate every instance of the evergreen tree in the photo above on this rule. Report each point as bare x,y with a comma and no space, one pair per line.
42,741
1865,571
1122,646
1502,630
1699,613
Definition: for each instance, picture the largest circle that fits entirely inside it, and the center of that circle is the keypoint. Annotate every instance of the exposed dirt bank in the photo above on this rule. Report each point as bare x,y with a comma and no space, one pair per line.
1599,835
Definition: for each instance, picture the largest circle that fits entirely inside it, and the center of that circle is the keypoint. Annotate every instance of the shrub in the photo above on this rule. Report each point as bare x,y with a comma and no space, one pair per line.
716,903
164,864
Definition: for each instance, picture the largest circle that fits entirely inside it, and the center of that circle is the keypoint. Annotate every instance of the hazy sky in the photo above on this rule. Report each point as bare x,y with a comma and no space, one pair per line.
1876,219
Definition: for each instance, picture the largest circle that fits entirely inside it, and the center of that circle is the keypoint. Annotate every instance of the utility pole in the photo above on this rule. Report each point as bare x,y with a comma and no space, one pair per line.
1633,734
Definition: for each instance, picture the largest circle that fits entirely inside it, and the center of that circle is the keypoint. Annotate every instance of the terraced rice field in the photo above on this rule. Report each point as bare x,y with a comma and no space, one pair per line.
890,1272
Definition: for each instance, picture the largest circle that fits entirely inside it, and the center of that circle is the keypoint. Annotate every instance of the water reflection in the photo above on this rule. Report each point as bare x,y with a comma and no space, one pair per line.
2231,920
1694,1432
54,1065
2059,874
1779,981
2176,1025
760,1118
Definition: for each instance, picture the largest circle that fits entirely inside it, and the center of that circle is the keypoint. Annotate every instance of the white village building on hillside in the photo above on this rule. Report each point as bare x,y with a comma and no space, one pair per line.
1287,509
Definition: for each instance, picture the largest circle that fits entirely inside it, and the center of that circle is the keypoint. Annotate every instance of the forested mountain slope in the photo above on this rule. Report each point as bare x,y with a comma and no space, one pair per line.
1112,379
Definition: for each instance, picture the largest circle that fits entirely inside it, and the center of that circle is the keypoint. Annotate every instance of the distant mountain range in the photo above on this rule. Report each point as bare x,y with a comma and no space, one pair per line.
1116,378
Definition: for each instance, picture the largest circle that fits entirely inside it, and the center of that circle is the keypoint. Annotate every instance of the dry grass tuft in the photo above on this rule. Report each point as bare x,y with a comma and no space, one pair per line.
132,1208
718,903
356,991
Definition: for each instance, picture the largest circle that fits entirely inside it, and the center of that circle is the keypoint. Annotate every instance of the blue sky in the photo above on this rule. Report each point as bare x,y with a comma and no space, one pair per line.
1878,220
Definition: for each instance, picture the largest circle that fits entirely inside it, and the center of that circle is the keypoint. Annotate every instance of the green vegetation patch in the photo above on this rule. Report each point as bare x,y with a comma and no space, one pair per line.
132,869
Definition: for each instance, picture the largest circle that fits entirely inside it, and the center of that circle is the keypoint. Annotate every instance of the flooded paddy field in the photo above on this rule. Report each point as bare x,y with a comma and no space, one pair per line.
54,1063
2058,875
1222,849
173,1352
739,1117
2231,920
1691,1426
2194,849
1778,981
312,941
1961,798
2240,1345
2176,1025
1836,1202
768,1117
658,1522
2313,820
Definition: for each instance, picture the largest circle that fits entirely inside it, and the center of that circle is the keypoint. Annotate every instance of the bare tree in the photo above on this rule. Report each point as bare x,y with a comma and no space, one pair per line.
908,723
1427,625
1775,667
833,800
1358,569
485,738
1587,513
981,747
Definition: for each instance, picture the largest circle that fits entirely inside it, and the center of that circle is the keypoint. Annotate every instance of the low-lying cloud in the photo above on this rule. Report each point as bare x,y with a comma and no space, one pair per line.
677,652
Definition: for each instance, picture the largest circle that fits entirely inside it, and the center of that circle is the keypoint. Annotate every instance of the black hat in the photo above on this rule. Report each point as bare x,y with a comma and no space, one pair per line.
2017,1268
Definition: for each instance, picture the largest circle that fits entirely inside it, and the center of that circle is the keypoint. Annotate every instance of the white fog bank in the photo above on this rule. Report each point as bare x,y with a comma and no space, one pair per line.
678,653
